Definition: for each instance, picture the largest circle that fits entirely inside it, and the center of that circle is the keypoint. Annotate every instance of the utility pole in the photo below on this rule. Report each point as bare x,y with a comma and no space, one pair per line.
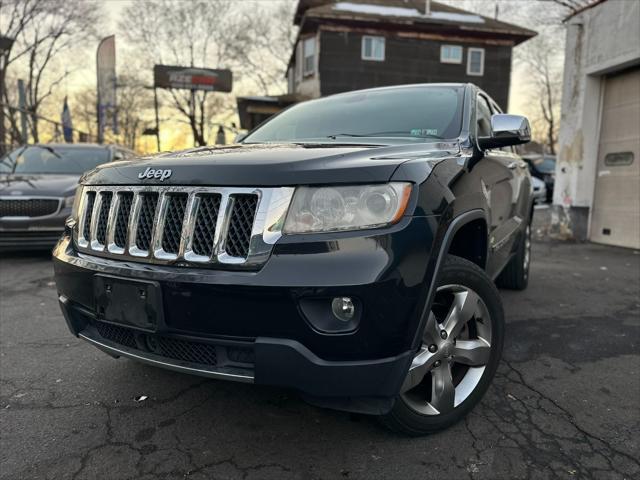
5,50
155,105
22,105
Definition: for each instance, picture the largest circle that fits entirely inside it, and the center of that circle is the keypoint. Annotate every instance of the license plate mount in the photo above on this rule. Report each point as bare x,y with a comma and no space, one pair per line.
132,303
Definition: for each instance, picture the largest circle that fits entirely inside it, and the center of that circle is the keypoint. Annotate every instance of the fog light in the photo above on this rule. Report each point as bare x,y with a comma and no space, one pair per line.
343,308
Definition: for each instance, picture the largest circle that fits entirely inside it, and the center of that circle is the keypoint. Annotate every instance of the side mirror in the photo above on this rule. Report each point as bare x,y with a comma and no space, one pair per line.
506,130
239,137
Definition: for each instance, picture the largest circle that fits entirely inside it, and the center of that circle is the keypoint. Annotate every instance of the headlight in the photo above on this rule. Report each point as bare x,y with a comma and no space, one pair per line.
328,209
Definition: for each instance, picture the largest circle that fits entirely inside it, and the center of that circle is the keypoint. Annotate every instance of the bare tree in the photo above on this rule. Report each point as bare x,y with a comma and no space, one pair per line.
15,17
194,34
251,38
43,30
58,28
269,34
83,109
133,100
542,59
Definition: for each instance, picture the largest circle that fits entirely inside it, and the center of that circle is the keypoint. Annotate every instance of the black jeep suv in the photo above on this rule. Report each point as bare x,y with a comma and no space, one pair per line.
346,249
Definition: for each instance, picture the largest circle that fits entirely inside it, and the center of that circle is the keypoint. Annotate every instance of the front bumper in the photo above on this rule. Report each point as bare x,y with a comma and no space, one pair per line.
252,326
32,233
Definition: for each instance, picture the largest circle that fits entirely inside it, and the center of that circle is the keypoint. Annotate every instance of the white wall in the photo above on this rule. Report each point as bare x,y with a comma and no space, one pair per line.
600,40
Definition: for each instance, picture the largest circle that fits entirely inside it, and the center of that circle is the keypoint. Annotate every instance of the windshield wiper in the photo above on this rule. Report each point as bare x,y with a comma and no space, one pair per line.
397,134
336,135
49,149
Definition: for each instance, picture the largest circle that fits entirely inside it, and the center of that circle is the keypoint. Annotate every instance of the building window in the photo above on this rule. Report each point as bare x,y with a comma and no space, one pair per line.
309,56
450,54
475,61
373,48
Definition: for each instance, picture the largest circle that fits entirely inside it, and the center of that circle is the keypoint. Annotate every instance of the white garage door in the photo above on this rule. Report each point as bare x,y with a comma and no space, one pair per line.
616,209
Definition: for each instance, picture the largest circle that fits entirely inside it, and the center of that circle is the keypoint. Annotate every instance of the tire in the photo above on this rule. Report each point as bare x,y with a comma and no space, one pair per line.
414,412
515,275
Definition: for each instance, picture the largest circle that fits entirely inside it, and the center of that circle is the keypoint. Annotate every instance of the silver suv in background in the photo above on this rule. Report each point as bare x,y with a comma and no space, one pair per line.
37,188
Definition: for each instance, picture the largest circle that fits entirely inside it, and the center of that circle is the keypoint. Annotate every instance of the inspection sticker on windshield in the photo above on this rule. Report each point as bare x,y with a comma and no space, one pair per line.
424,132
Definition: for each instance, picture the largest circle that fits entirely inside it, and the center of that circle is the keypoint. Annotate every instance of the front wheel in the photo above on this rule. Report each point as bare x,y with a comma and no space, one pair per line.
461,348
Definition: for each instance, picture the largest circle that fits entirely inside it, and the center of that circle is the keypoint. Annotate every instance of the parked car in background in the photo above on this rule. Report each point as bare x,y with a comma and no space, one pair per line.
37,187
539,190
544,168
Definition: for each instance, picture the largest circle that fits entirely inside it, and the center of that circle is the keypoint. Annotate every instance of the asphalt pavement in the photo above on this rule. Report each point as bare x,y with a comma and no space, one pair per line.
565,402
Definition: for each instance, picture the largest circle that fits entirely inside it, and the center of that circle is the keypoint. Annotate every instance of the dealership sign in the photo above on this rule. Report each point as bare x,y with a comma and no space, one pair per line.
192,78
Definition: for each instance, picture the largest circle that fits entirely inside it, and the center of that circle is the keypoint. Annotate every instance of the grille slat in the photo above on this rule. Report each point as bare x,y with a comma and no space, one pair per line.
105,206
32,207
145,221
86,229
122,220
242,215
173,220
205,225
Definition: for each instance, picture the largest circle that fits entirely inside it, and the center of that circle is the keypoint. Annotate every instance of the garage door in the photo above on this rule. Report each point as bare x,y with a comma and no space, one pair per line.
616,209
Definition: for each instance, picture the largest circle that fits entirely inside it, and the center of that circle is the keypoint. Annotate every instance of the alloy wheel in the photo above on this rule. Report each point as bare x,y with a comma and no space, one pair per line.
456,347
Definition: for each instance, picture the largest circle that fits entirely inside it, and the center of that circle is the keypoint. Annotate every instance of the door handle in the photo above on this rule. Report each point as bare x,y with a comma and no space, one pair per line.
512,165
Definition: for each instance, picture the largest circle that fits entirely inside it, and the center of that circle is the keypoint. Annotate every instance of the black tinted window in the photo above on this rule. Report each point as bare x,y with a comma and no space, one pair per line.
53,160
411,114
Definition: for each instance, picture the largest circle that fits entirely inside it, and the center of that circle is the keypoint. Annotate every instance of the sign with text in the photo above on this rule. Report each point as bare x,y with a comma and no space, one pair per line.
192,78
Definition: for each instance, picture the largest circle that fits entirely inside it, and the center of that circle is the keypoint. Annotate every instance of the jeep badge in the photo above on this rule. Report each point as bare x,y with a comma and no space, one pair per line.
151,173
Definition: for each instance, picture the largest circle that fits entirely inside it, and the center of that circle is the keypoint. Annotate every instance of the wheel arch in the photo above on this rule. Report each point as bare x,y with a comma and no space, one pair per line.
453,227
470,241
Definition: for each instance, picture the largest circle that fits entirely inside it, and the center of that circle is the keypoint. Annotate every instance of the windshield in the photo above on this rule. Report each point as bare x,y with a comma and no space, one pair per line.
410,114
53,160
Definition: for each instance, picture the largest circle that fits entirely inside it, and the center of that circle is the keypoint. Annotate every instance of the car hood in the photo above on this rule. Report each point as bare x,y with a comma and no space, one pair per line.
38,184
271,165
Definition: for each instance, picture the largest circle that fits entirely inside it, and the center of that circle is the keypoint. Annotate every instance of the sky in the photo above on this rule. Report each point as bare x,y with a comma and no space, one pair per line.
177,135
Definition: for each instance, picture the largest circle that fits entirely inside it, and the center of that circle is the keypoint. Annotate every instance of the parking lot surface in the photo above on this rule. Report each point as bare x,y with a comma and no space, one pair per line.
565,402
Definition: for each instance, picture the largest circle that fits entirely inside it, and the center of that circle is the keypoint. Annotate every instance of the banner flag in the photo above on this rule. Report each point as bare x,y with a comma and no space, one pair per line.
67,124
107,101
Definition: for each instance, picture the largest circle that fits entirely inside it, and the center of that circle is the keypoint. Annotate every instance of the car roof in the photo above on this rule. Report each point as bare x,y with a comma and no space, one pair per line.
81,145
73,145
401,87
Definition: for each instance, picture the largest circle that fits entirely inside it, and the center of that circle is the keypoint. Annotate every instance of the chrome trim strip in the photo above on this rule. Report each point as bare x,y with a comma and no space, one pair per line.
134,217
82,212
158,229
95,245
171,366
271,210
188,226
111,225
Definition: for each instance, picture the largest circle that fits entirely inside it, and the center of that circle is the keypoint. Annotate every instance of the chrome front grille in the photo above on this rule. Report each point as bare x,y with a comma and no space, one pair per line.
182,225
